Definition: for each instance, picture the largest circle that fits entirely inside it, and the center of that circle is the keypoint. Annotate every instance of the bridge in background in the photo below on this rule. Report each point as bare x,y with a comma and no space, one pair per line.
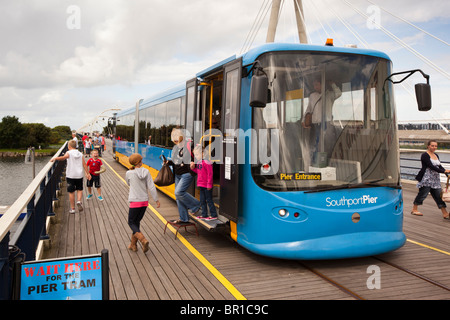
414,136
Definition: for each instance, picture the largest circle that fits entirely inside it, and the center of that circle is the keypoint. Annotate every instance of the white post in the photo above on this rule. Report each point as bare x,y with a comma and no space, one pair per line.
300,17
273,22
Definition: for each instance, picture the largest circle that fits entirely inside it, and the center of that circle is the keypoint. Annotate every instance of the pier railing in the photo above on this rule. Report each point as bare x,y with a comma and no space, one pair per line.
37,202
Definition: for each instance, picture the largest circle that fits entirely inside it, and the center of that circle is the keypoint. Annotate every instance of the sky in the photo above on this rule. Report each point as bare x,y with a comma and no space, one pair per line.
65,62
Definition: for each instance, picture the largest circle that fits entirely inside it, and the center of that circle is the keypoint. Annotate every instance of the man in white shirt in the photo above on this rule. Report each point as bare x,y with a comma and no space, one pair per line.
76,169
315,102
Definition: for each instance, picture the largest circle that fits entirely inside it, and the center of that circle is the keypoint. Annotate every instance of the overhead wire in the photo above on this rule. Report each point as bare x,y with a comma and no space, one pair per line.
320,22
264,9
401,42
411,24
308,36
349,28
253,25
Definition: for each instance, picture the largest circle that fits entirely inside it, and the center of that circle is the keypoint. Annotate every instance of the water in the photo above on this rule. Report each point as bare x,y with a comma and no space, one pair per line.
15,176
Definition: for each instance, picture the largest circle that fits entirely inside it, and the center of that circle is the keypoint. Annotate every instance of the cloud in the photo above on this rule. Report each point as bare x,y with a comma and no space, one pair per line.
51,96
124,50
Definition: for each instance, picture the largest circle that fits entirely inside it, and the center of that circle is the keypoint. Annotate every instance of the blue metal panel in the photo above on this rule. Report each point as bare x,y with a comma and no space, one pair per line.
323,228
150,154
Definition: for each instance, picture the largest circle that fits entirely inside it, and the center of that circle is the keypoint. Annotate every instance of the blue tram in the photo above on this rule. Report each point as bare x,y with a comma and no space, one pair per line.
304,144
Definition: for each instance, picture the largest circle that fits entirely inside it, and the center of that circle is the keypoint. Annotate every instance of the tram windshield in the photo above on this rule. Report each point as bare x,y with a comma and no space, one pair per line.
329,123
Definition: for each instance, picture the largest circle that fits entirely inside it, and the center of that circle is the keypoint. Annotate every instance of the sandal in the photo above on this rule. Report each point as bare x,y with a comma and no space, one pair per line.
416,213
447,217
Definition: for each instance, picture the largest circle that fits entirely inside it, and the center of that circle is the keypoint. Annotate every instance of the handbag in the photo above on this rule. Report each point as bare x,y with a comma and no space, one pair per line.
446,193
165,176
308,115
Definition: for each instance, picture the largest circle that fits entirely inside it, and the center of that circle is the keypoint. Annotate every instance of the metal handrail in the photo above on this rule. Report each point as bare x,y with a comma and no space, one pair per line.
444,164
13,213
37,199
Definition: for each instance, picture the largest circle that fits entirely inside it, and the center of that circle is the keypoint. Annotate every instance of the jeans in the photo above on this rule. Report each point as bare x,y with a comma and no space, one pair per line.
206,198
185,201
435,193
135,216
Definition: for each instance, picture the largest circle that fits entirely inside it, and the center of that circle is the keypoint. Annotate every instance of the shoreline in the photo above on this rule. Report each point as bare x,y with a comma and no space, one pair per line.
16,154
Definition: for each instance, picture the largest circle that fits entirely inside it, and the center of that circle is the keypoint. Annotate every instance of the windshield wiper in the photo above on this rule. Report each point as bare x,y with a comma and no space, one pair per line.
374,184
342,186
366,184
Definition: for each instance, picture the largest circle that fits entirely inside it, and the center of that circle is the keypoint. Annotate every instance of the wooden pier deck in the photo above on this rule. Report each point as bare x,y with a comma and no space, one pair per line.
211,266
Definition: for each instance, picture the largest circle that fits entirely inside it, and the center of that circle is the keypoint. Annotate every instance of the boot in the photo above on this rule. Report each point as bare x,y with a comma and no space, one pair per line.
132,245
143,241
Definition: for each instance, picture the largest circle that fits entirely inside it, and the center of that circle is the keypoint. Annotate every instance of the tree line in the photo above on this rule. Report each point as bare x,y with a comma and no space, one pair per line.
17,135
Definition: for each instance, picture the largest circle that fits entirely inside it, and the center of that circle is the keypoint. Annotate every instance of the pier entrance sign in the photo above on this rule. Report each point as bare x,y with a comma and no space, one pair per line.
72,278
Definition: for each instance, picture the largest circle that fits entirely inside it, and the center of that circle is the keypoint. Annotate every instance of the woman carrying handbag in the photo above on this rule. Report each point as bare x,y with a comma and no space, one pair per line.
181,159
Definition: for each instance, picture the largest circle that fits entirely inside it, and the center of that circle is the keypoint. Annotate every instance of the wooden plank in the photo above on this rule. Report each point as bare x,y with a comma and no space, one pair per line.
170,271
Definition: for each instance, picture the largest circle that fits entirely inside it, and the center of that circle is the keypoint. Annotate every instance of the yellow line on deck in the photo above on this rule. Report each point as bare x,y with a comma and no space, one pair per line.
227,284
428,247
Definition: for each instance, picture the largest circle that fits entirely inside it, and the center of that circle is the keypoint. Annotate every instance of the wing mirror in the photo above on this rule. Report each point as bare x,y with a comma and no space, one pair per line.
423,90
423,96
259,88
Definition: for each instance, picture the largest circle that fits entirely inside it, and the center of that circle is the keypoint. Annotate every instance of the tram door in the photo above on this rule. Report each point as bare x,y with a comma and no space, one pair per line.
192,116
229,168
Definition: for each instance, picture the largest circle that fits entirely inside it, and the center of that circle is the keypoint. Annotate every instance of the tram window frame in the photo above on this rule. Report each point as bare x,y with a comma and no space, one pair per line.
358,123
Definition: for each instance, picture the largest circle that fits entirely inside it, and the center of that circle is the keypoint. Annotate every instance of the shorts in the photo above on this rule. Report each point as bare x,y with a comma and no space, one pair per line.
95,179
74,184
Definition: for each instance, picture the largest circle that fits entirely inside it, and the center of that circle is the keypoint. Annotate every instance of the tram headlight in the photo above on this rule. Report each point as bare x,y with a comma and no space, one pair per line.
283,212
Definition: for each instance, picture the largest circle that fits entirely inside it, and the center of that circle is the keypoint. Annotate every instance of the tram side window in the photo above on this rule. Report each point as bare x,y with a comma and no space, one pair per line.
160,124
173,119
125,127
150,124
143,126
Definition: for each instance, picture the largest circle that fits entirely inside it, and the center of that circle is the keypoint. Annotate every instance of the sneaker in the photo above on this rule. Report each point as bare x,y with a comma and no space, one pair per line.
100,198
89,196
211,218
202,218
80,206
72,210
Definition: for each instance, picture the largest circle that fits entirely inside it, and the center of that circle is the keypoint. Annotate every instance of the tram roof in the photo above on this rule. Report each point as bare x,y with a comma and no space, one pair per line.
249,57
166,95
253,54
